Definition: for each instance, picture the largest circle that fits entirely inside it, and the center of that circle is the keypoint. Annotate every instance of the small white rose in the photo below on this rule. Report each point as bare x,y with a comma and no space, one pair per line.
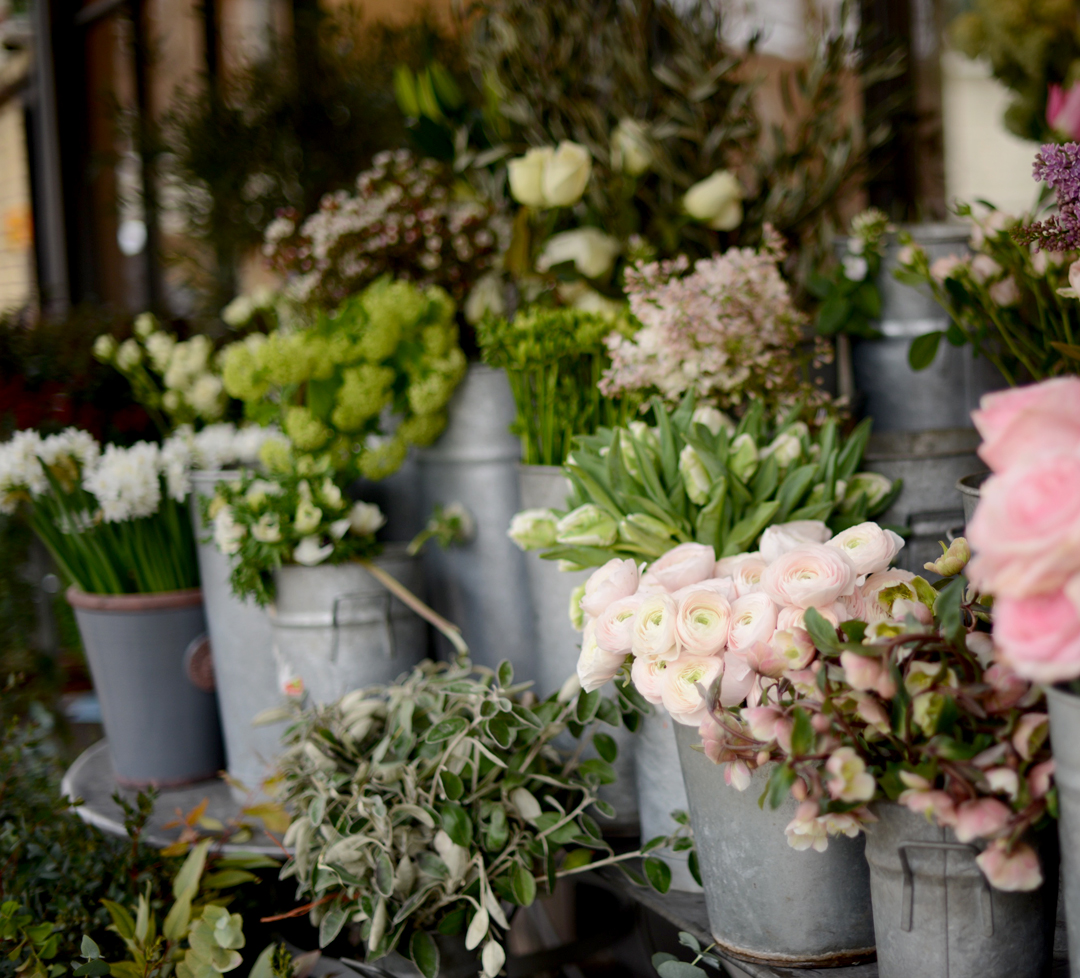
526,176
566,174
365,519
716,201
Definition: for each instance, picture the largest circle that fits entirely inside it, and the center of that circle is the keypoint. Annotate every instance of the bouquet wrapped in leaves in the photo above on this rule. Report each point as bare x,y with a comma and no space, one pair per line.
438,804
699,477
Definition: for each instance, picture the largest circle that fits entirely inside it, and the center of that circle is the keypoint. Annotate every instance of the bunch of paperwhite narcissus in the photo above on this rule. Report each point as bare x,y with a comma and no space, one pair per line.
293,513
113,520
903,702
1026,529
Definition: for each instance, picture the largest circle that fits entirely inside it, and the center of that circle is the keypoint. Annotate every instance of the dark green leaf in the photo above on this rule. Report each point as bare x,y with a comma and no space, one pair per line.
854,630
523,884
599,768
424,953
498,830
445,729
604,808
833,315
658,873
779,784
457,824
452,785
694,866
821,631
924,349
606,747
802,733
505,673
453,923
587,705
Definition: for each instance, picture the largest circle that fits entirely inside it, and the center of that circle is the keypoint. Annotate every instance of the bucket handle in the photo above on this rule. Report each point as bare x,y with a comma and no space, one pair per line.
384,596
907,900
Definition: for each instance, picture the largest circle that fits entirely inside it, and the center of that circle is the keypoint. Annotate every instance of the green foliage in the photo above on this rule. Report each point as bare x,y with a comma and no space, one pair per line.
638,492
669,966
850,299
421,806
554,359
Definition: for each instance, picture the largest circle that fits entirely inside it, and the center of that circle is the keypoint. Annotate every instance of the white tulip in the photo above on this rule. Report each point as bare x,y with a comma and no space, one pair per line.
716,201
526,176
592,252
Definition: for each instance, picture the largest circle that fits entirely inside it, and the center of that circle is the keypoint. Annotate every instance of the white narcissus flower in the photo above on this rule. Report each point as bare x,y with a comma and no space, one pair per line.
592,252
526,174
779,538
630,149
753,620
126,482
679,692
654,627
309,552
595,667
228,534
566,174
716,201
847,777
267,529
533,529
616,579
813,575
365,519
869,548
694,475
703,620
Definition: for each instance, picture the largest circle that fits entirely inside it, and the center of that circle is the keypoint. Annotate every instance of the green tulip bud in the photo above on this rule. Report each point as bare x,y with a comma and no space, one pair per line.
586,526
873,485
647,532
694,475
743,457
533,529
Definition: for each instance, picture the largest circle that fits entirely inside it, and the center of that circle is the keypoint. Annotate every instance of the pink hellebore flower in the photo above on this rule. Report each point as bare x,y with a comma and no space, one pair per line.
1063,110
1003,780
714,739
1038,778
737,775
1008,687
1030,732
848,779
1015,871
806,830
762,721
738,678
922,797
981,818
867,673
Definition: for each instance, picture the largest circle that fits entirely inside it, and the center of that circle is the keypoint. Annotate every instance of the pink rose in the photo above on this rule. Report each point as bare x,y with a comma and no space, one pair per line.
1039,637
1010,871
595,666
745,571
615,627
1026,529
1025,423
981,818
779,538
648,677
739,677
753,620
703,620
653,634
1063,110
679,688
813,575
616,579
688,563
873,609
870,548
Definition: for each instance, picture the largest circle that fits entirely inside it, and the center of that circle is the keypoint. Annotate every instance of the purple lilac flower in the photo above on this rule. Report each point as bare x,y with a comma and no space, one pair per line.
1059,168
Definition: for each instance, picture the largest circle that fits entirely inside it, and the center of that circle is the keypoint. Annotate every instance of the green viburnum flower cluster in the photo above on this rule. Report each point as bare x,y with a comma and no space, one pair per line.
389,351
294,513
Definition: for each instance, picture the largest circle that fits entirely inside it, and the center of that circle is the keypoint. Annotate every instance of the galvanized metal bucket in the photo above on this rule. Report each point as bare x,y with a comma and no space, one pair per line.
1065,736
336,628
944,394
161,727
930,463
242,648
767,902
969,487
935,914
558,644
481,584
660,790
400,499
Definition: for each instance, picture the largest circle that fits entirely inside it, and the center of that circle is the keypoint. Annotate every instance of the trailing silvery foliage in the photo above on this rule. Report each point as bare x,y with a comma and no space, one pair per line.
441,802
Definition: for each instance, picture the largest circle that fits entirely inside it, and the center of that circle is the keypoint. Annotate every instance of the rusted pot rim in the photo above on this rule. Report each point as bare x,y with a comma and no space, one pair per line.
830,959
159,601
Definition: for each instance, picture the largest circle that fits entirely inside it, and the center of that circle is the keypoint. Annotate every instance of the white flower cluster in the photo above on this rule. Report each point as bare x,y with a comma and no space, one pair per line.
221,446
21,472
126,482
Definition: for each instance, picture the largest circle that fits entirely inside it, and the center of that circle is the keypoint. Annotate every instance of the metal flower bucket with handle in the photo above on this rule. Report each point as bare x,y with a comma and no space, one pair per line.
1065,736
767,902
336,628
935,914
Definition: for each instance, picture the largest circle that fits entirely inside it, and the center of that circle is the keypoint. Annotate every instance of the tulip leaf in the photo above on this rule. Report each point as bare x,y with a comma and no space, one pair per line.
424,953
658,873
749,527
793,488
852,452
821,631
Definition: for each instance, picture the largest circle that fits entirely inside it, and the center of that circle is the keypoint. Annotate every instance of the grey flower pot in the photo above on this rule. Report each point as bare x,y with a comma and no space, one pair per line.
767,902
935,913
162,729
338,629
480,585
1065,736
241,644
969,488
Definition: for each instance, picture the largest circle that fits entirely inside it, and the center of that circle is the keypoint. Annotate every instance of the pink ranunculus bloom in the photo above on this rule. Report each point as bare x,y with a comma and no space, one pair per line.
1025,423
1040,778
1026,529
792,617
596,667
744,570
616,579
981,818
738,679
873,609
653,633
851,607
703,620
679,688
1039,637
1031,730
813,575
647,676
1016,871
869,547
779,538
615,627
721,585
688,563
1063,110
753,620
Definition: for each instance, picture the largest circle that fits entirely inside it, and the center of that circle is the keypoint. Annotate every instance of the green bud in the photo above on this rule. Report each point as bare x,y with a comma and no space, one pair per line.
694,475
953,560
873,485
743,457
586,526
533,529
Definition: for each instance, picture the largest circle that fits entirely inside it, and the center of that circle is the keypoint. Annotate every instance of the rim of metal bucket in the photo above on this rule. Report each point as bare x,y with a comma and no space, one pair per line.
970,485
834,959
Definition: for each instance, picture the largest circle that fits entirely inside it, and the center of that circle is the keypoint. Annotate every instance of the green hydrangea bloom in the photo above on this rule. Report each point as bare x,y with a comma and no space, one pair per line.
305,431
422,429
390,307
364,392
442,306
383,457
438,340
286,358
276,456
241,373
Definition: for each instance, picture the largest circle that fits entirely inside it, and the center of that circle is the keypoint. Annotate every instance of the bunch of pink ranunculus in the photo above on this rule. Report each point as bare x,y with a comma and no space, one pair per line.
689,619
1026,531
